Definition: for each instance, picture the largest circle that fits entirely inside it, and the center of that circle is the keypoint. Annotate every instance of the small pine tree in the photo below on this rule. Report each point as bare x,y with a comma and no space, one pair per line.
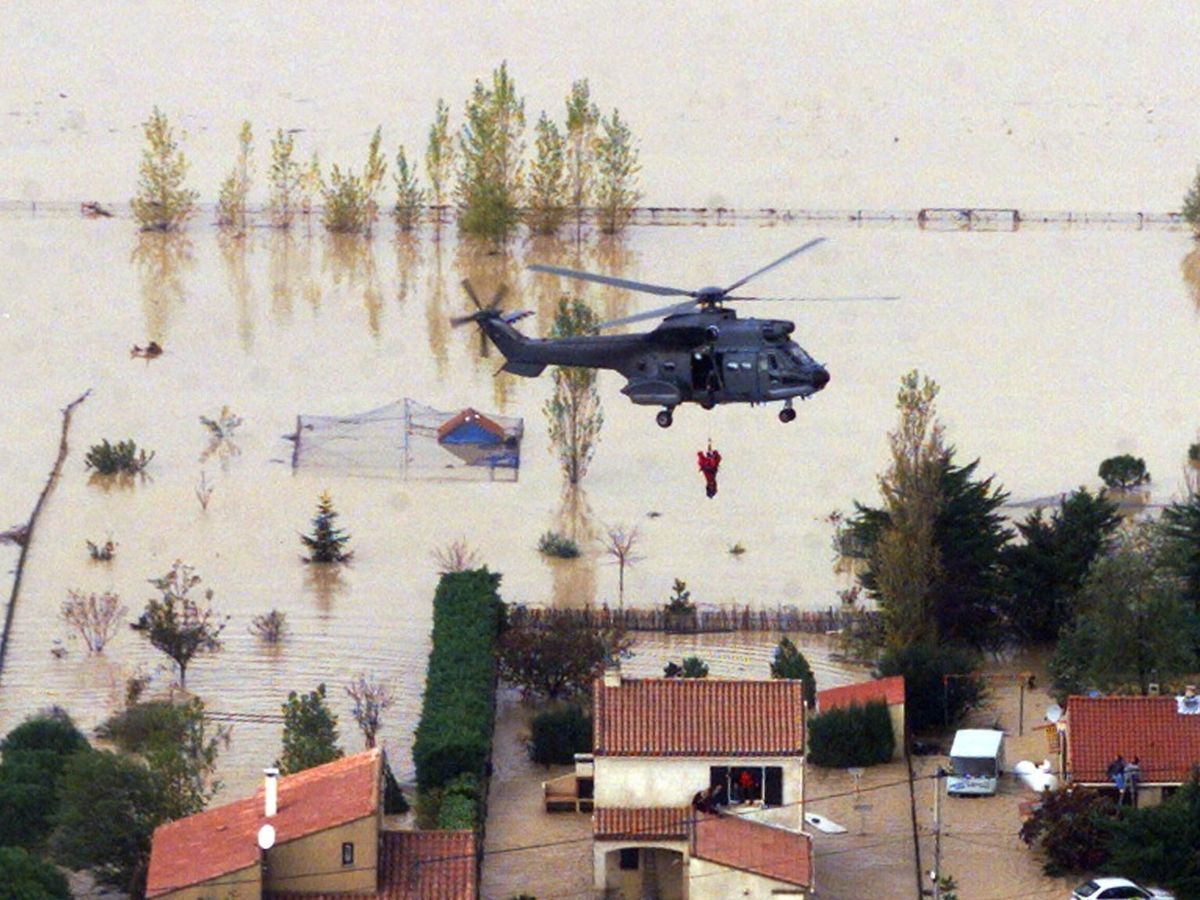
231,203
309,732
616,169
409,196
1191,205
439,158
789,662
162,202
547,180
286,189
326,543
680,601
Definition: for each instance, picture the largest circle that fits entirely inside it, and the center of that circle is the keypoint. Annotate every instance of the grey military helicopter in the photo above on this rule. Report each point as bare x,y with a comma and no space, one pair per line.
700,353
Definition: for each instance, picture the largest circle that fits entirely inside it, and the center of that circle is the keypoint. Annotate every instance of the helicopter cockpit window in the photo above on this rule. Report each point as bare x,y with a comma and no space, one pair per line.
799,355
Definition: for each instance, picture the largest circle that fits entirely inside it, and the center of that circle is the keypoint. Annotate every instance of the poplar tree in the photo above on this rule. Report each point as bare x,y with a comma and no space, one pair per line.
573,411
547,180
582,116
286,187
349,202
439,158
409,196
1191,204
310,184
490,174
372,180
162,202
617,168
231,202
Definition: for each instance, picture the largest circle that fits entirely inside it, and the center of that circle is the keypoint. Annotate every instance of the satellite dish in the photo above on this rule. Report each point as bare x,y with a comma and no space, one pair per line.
266,837
1054,712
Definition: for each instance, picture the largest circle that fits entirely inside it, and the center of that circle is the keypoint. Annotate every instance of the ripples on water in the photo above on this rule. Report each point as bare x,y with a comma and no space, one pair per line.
1084,342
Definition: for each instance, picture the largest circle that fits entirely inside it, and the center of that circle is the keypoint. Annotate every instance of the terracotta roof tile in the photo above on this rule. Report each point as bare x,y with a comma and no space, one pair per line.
741,843
415,865
645,823
225,839
890,690
699,717
1098,728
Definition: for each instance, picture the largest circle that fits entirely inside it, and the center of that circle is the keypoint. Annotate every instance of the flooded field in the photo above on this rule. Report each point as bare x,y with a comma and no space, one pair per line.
1055,349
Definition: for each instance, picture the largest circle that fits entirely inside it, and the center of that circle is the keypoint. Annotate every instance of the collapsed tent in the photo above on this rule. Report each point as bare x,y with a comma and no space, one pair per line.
407,439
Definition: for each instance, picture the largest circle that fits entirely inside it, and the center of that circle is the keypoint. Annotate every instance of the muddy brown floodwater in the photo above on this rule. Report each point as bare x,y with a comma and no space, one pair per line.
1054,348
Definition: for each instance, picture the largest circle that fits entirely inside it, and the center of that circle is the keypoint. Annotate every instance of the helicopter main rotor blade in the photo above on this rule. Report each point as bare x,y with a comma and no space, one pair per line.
471,293
780,261
811,299
661,312
850,299
659,289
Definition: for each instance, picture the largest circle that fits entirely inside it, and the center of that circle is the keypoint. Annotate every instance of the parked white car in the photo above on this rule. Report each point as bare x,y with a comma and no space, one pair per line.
1117,889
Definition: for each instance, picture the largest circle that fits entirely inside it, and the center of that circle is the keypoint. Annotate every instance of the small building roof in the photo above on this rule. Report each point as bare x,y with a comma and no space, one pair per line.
741,843
472,418
644,823
415,865
699,717
225,839
890,690
1151,728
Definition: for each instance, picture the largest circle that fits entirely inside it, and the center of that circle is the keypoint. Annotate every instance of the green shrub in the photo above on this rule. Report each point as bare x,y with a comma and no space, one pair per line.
852,736
457,812
26,877
558,545
559,734
51,729
394,801
455,732
124,456
932,698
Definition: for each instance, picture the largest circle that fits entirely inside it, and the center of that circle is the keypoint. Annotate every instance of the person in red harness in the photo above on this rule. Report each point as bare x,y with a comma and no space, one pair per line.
709,462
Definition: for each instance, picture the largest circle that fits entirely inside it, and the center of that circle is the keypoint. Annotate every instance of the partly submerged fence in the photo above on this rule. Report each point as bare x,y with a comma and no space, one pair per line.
707,620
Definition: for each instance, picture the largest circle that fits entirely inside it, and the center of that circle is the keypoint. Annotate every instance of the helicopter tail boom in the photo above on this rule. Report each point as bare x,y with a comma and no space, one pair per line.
508,341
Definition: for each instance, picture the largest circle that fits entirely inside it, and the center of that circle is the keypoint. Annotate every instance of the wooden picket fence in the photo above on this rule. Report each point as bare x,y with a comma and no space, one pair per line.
733,618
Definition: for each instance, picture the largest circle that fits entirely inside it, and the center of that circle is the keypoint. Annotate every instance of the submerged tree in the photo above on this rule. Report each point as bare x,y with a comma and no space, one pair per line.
326,543
573,411
371,700
439,159
309,732
1191,204
490,149
547,180
94,617
286,190
162,202
1124,472
409,196
231,203
582,117
617,168
620,542
350,202
177,624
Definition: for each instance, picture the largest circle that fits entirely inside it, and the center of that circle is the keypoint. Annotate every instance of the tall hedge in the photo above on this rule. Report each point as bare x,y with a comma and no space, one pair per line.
455,732
852,736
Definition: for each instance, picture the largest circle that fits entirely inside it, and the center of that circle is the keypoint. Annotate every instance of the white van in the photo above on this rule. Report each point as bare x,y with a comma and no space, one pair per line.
976,761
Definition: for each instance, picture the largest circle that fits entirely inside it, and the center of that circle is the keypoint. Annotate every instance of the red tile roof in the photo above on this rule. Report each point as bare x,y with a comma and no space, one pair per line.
415,865
1098,728
890,690
699,717
225,839
646,823
741,843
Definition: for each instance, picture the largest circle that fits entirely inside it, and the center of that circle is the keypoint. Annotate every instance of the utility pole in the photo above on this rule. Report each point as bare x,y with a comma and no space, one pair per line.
912,807
937,832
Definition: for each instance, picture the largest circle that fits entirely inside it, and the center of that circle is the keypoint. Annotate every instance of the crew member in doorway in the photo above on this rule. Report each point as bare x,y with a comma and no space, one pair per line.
709,462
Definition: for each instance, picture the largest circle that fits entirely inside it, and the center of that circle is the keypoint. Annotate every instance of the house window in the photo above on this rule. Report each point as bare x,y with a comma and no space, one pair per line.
629,858
347,853
747,784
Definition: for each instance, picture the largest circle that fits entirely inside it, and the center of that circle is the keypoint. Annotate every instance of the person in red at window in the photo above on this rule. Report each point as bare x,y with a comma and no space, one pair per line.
709,462
747,786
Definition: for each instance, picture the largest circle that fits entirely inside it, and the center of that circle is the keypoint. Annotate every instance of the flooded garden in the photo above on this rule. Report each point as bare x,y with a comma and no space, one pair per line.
1055,347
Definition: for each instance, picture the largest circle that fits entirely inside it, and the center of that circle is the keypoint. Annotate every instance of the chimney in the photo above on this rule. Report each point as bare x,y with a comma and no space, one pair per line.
612,676
271,792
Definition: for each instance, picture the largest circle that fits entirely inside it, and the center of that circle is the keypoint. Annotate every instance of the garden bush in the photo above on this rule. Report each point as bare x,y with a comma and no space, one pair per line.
124,456
559,734
558,545
454,735
852,736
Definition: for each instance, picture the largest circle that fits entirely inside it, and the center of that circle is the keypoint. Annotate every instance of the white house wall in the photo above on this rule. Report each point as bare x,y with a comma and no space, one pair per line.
636,781
710,881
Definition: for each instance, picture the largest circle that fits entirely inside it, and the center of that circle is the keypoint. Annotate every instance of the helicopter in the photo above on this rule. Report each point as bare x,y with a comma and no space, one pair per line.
700,353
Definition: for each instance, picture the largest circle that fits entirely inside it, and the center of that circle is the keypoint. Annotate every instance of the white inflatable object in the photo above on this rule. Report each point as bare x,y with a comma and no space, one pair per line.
823,824
1037,778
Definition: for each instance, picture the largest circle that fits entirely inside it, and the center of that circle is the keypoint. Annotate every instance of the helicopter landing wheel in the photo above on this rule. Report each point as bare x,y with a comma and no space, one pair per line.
664,418
787,414
707,401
